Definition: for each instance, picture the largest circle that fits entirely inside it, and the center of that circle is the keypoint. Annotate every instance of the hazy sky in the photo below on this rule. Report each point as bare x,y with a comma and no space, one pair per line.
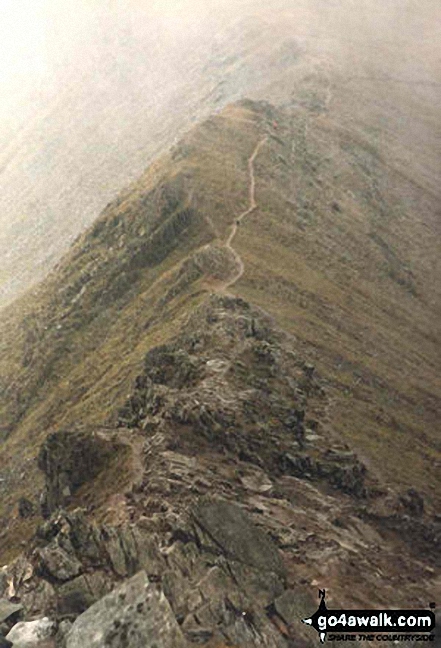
92,90
39,37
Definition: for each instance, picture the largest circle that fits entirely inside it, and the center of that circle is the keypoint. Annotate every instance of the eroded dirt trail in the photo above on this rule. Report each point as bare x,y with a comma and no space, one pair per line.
238,219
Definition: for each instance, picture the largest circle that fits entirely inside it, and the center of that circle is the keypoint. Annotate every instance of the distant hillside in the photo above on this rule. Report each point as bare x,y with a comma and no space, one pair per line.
339,248
125,81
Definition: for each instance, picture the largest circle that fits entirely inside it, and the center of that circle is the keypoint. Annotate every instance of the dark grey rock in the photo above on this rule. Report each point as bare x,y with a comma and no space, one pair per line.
236,535
85,537
413,502
57,563
68,460
75,596
122,550
4,643
26,508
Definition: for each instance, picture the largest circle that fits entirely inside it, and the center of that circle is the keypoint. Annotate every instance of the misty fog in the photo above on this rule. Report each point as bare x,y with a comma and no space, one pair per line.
92,90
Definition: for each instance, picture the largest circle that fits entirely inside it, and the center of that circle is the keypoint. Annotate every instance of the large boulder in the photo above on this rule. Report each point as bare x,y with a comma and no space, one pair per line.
31,634
135,615
232,530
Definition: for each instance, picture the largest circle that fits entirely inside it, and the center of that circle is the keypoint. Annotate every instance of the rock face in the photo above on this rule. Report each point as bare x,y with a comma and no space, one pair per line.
135,615
213,568
233,382
68,460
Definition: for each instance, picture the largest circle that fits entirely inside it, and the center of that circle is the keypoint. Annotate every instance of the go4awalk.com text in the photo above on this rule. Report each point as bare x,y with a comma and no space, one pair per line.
370,625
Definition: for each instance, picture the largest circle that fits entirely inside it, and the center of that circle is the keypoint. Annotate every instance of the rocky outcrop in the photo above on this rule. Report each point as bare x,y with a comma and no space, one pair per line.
342,470
232,382
211,575
68,460
81,560
245,503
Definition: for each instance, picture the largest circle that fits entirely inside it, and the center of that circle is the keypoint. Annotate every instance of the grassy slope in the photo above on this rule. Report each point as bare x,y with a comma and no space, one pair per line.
341,251
70,350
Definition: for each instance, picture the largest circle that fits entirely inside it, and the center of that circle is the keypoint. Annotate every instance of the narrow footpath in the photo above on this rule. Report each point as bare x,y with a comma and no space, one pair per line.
237,221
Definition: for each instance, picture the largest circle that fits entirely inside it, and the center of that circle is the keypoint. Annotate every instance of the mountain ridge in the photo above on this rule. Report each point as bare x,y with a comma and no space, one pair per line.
71,350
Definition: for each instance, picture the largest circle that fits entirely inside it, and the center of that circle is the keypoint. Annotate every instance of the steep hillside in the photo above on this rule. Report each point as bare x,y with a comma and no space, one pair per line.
219,503
284,209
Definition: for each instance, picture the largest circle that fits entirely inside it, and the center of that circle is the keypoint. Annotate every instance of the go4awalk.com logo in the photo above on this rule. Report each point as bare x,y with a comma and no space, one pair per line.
362,625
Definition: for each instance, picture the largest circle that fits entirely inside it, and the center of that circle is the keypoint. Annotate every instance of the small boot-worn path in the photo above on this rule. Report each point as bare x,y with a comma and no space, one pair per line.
253,205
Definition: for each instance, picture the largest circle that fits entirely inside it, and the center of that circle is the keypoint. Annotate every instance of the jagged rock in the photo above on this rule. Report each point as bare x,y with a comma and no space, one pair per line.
250,395
149,558
135,615
342,470
31,634
174,368
38,597
85,537
79,561
122,550
216,403
68,460
234,533
261,587
73,533
258,482
57,563
183,599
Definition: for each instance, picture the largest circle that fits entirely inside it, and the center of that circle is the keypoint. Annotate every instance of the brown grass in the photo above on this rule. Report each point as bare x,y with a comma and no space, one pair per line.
360,307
